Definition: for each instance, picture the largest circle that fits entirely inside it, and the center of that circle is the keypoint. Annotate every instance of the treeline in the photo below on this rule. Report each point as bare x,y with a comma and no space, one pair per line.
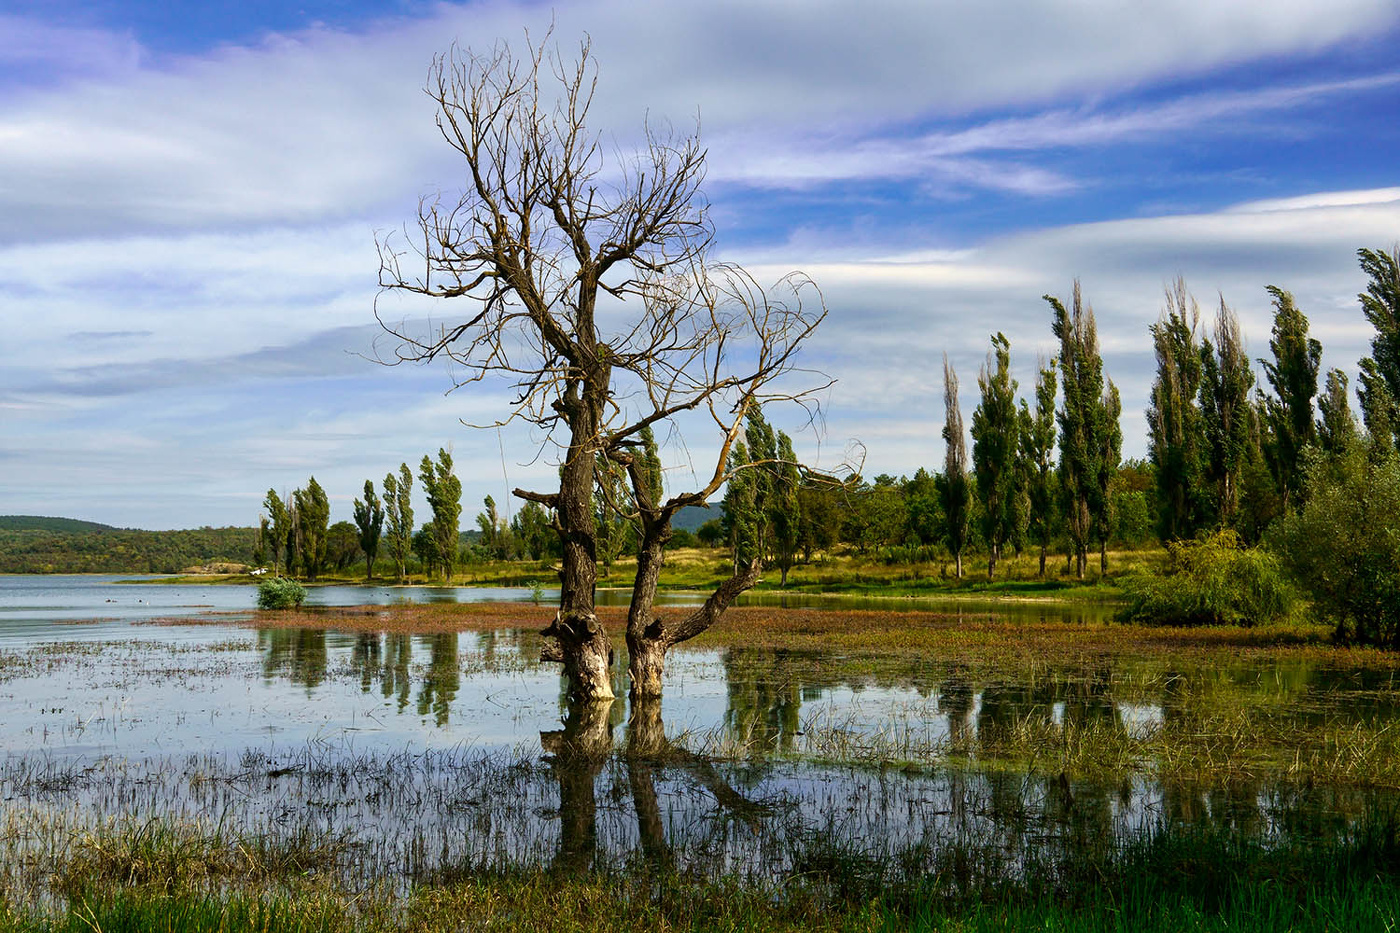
116,550
1230,448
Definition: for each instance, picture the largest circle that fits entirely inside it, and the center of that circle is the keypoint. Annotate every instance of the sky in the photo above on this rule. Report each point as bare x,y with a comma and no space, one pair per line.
190,196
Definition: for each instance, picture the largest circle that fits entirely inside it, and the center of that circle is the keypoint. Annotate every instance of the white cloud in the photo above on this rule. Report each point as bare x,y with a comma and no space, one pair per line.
325,125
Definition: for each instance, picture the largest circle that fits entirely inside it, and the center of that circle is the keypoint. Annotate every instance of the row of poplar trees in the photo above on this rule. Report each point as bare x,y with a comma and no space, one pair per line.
1226,451
294,527
1019,490
1232,454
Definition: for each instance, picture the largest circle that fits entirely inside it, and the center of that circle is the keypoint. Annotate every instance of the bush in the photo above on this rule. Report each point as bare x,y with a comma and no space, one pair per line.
280,593
1212,580
1343,546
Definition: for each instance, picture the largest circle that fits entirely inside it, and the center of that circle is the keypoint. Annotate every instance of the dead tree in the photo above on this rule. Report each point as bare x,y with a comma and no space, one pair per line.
591,291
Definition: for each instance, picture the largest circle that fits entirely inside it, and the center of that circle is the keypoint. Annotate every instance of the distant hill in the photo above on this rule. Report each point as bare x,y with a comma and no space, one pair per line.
47,523
693,516
30,544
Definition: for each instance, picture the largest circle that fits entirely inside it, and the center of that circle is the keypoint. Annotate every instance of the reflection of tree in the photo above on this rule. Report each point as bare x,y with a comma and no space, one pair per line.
299,654
443,679
646,743
955,701
578,752
384,658
765,699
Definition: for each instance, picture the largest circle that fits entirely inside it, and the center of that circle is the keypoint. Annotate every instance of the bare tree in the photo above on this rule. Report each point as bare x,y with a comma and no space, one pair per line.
593,294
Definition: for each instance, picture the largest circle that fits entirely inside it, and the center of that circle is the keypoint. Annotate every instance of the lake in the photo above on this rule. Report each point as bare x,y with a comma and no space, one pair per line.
432,750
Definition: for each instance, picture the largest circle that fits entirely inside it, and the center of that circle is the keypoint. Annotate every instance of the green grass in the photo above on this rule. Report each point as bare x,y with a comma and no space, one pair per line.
1170,880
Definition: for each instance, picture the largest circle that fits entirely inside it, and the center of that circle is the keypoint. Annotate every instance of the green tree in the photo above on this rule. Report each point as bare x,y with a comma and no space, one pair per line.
1343,546
444,492
954,486
1090,436
398,510
995,440
1379,388
1293,376
1176,441
342,545
1336,425
279,530
819,517
1038,453
1226,413
533,531
369,519
786,508
313,515
488,524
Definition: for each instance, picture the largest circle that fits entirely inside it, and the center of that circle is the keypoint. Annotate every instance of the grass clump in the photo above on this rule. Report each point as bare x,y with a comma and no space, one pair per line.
280,593
1213,580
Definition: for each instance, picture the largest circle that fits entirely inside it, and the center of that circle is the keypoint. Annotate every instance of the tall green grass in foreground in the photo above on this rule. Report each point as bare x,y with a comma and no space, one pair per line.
1174,879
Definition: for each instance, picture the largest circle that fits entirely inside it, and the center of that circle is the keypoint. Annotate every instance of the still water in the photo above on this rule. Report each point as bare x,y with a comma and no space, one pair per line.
435,750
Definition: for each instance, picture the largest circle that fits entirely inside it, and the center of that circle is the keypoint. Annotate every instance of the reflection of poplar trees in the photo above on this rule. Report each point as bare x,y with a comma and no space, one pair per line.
384,658
443,678
299,654
765,701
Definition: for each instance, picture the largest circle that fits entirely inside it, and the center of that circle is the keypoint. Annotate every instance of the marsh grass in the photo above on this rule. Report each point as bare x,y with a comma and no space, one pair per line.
1173,878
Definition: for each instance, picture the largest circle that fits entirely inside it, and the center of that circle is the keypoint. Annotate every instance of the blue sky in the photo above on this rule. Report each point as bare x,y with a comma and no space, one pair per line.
190,194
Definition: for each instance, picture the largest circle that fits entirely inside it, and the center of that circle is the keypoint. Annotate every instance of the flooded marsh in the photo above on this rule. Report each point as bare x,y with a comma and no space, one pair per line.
418,747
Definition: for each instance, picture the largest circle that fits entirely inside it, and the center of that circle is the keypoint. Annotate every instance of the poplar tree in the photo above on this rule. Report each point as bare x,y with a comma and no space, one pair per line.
1336,425
398,510
1175,434
279,530
1225,410
313,516
954,487
786,509
994,442
1090,437
1108,437
1293,376
444,492
369,519
1038,451
1379,388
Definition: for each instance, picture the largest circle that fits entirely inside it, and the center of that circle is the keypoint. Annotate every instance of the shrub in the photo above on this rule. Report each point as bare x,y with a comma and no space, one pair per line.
1212,580
280,593
1343,545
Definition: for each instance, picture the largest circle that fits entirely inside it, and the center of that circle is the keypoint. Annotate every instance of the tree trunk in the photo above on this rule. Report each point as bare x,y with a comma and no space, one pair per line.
1103,558
992,554
1042,561
583,645
1081,560
957,558
649,637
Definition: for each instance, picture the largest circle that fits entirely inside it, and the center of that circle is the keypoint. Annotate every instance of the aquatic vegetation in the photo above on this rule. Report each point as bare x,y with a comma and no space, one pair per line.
280,593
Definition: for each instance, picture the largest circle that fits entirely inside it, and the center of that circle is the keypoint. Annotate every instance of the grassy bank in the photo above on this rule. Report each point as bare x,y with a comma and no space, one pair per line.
849,574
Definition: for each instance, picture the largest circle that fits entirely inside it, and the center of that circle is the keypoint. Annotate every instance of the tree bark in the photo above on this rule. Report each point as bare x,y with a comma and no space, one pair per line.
1042,562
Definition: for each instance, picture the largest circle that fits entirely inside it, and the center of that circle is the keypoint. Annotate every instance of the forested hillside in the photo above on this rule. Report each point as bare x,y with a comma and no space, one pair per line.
113,550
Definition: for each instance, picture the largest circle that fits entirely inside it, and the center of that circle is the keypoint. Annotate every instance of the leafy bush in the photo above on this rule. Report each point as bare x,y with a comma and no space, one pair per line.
1212,580
1343,546
280,593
